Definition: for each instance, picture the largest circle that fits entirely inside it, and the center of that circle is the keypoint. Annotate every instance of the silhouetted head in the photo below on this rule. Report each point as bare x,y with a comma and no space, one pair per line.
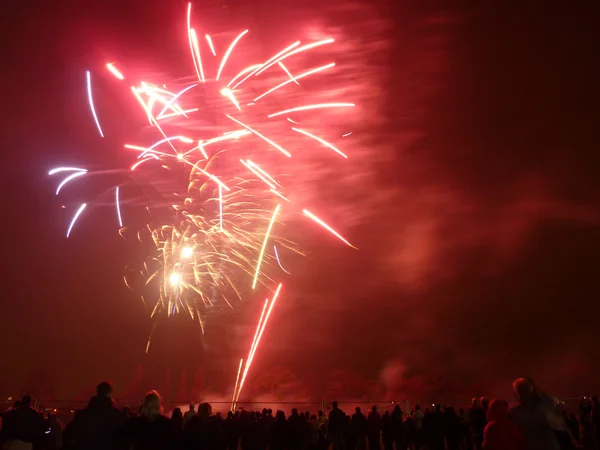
230,415
321,413
374,408
192,406
438,407
270,411
26,400
264,411
475,402
176,414
417,407
498,410
523,389
294,412
357,409
104,389
151,406
484,402
334,404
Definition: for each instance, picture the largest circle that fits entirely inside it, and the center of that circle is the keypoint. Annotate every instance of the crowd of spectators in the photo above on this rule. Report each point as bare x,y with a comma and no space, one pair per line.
534,422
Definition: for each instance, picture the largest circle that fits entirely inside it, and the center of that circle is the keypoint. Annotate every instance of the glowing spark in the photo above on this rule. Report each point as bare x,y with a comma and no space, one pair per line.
266,139
174,279
237,379
347,134
182,113
294,45
264,172
69,178
262,329
226,92
293,121
220,208
228,52
307,107
327,227
148,158
197,57
187,252
118,207
170,103
278,261
91,102
322,141
279,194
112,69
210,44
257,173
75,217
294,52
264,245
66,169
243,72
299,77
288,72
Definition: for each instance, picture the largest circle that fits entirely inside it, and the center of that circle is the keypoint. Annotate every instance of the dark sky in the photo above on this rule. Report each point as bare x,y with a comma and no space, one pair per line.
477,215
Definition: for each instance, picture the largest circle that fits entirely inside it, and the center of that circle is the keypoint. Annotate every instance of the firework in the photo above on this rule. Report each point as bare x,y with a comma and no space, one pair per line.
211,239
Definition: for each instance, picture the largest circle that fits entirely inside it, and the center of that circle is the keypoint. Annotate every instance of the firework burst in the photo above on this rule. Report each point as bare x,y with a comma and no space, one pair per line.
231,139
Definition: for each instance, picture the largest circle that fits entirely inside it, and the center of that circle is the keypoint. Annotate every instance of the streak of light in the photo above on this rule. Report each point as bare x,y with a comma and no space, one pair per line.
209,175
75,217
237,379
126,283
293,121
112,69
327,227
308,107
272,58
262,329
299,77
257,173
197,56
264,245
347,134
278,261
226,92
182,113
231,135
322,141
228,52
146,151
66,169
280,64
91,102
220,208
210,44
148,158
174,99
264,172
279,194
266,139
69,178
192,41
294,52
243,72
118,207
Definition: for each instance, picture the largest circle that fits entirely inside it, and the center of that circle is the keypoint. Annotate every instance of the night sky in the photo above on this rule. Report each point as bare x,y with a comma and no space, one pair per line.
477,213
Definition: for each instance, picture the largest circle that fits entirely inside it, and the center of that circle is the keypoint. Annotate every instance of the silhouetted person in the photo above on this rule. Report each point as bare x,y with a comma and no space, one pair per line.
501,433
98,426
232,434
418,418
453,429
531,414
337,423
191,412
22,426
398,428
374,429
279,433
151,430
477,422
434,424
387,434
359,427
